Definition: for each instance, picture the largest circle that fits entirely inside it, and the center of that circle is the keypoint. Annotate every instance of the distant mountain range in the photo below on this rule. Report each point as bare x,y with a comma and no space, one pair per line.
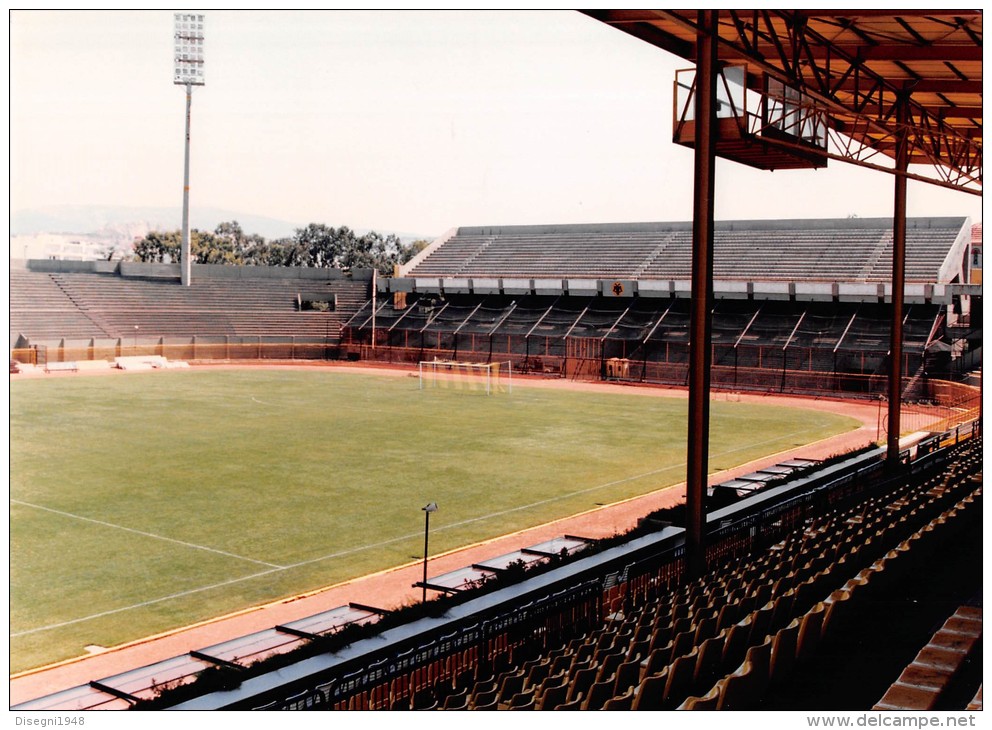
82,219
102,220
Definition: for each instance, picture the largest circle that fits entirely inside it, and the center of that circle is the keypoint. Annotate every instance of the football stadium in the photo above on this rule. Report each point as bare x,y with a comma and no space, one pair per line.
678,465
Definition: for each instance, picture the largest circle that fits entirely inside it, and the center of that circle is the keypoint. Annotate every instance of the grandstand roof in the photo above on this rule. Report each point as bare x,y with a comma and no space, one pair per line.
841,250
854,65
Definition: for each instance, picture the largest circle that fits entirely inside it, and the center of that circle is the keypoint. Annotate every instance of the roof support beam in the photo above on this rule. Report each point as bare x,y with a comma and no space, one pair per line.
700,324
902,52
898,281
743,334
465,321
615,324
541,319
927,86
819,53
430,320
656,325
961,112
408,310
499,323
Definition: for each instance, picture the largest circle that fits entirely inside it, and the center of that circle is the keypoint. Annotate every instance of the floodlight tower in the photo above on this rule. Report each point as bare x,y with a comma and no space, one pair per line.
188,71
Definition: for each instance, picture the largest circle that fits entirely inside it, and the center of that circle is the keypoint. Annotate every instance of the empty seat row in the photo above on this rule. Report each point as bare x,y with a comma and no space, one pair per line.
719,641
771,662
99,306
835,254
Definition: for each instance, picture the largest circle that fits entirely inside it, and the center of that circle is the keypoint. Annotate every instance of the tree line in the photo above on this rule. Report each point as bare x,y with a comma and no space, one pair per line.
315,246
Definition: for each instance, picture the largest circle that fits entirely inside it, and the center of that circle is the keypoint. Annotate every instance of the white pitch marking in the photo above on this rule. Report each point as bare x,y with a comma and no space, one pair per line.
277,569
145,534
152,602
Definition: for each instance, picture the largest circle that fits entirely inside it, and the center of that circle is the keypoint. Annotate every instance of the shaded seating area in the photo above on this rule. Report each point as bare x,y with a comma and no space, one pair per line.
728,640
807,347
785,608
799,305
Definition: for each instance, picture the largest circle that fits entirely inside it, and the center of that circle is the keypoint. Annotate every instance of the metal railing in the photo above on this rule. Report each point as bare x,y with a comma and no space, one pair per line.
545,620
189,348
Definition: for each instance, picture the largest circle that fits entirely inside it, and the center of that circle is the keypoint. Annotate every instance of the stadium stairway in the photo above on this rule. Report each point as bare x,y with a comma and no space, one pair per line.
928,680
86,305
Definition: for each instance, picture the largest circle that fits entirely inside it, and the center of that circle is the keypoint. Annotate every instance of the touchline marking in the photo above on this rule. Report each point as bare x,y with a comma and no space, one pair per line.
152,602
201,589
145,534
350,551
604,485
481,518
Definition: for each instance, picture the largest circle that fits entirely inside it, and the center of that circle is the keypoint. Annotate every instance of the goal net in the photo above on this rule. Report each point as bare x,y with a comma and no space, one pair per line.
489,378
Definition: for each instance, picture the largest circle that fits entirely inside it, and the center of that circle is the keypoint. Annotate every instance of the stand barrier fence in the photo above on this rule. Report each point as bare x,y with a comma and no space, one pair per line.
932,403
191,348
548,620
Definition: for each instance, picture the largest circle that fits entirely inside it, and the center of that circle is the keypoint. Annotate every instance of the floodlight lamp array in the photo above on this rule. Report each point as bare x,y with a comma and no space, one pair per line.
188,49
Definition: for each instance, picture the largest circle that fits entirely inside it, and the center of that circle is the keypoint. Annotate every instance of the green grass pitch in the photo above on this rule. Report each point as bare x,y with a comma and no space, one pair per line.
147,502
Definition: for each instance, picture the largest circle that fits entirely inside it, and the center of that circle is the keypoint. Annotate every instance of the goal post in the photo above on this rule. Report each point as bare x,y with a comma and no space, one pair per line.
490,378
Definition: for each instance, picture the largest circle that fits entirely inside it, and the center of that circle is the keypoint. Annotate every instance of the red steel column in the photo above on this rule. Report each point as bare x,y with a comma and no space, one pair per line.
898,281
700,326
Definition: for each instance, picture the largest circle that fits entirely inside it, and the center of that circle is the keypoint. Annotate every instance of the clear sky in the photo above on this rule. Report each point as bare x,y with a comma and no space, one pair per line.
400,121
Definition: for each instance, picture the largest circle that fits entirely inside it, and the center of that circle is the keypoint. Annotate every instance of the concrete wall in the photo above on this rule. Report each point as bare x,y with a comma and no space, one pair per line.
222,271
61,266
135,269
149,271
